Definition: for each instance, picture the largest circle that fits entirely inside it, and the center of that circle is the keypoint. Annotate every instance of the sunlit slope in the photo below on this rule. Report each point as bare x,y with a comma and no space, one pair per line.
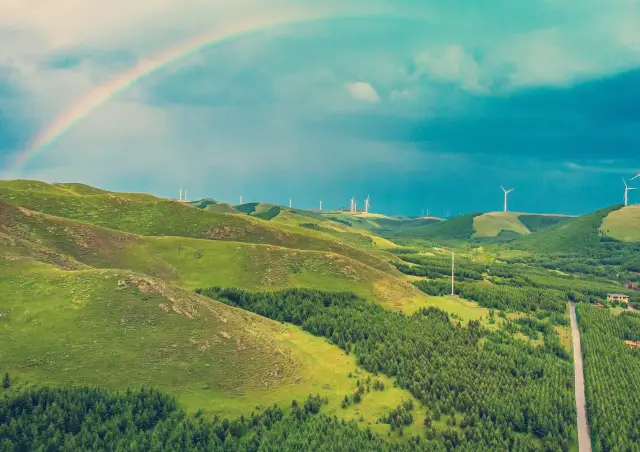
309,220
577,235
146,215
192,263
480,226
493,223
117,329
623,224
213,205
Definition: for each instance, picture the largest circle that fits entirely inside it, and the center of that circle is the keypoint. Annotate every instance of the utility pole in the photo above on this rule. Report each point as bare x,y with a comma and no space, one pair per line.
453,266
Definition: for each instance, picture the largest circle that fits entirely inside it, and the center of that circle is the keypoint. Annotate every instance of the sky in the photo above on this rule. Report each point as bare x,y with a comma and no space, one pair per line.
423,105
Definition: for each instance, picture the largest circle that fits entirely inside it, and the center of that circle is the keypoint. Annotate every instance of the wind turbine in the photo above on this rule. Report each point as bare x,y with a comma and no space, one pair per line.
626,191
506,192
321,204
290,203
180,194
185,195
366,205
240,199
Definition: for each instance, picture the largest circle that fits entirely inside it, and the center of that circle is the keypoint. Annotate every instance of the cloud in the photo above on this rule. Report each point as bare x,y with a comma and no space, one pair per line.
436,86
451,64
363,91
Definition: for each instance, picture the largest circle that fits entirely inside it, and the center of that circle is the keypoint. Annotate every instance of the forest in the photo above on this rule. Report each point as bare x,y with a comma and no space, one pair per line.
612,377
496,392
528,280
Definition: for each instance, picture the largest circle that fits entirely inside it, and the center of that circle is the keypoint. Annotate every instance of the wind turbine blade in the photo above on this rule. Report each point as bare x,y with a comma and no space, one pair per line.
636,176
624,182
502,188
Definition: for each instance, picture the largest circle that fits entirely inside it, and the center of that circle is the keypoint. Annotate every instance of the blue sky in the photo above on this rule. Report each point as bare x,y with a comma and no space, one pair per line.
427,105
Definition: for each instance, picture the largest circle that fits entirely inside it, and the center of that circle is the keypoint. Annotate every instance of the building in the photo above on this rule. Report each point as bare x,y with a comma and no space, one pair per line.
618,298
599,305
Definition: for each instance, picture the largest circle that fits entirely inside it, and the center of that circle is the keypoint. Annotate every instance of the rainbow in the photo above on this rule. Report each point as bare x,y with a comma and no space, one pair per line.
147,67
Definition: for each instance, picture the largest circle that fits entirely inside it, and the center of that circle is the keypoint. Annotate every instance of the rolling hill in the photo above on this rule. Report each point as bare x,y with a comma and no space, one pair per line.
623,224
491,226
213,205
150,216
191,263
117,329
579,235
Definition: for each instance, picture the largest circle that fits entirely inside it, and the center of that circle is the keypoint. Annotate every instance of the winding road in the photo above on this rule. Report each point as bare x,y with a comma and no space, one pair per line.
584,442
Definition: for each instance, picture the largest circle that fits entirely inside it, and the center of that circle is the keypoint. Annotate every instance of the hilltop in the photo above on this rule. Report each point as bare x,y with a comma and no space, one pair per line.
491,226
623,224
150,216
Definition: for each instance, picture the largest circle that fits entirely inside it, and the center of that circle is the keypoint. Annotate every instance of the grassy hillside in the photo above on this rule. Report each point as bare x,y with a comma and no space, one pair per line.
456,228
578,235
150,216
214,206
493,223
623,224
117,329
192,263
492,226
535,222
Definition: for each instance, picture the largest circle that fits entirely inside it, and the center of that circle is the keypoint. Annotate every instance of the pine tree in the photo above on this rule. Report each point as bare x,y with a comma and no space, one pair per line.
6,382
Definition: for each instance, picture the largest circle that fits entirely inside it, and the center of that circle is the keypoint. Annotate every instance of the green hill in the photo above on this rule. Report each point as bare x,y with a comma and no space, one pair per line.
578,235
192,263
214,206
481,227
117,329
492,224
623,224
146,215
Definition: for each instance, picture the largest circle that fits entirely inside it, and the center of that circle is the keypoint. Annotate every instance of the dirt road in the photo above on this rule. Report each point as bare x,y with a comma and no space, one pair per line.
584,441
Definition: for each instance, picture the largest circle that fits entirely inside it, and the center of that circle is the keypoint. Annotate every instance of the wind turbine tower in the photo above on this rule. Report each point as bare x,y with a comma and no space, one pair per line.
185,196
626,191
453,266
240,199
321,204
506,192
366,205
290,203
180,199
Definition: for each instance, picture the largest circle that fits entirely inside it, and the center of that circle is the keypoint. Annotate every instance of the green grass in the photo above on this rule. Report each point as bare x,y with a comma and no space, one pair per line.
146,215
535,222
192,263
578,235
623,224
116,329
492,224
456,228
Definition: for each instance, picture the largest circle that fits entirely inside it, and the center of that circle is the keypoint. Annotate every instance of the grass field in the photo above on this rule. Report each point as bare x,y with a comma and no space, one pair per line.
150,216
192,263
491,224
117,329
623,224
